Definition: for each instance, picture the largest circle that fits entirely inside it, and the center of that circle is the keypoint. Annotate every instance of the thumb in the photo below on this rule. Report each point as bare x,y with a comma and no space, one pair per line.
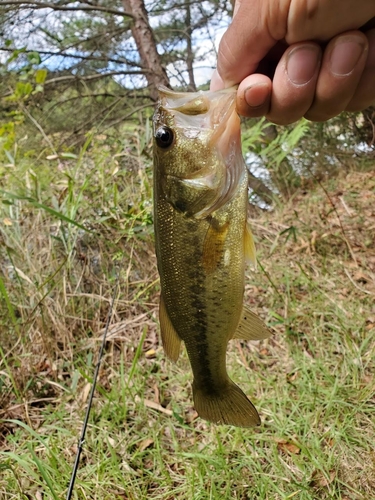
245,43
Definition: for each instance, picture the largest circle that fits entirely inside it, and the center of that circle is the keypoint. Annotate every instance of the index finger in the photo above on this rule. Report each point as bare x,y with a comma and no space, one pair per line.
247,40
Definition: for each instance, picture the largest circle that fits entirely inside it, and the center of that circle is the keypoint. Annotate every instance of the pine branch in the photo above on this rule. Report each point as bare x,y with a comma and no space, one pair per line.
45,5
87,78
96,76
75,56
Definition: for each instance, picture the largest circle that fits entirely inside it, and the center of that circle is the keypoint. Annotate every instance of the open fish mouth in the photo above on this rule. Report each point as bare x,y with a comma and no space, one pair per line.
208,119
196,111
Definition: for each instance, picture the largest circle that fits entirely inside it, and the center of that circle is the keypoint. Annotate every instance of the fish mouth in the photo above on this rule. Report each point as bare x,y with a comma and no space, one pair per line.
197,110
211,116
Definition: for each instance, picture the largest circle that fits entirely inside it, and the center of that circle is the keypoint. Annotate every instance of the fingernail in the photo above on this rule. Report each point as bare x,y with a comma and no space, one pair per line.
345,55
302,63
236,7
256,95
216,81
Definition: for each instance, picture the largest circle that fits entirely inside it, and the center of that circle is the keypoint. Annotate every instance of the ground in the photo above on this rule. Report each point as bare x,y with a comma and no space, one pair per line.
313,382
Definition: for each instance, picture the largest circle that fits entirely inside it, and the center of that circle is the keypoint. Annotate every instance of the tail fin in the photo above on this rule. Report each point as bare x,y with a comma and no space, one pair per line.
229,406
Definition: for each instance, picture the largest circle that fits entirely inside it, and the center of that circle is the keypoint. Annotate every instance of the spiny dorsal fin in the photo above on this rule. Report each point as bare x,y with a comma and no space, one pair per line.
171,340
251,327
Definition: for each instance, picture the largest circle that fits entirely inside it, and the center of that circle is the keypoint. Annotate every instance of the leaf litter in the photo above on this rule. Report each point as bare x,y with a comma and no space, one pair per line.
318,367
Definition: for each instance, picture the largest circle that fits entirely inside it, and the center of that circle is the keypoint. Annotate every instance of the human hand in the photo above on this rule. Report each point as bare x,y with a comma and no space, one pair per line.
294,58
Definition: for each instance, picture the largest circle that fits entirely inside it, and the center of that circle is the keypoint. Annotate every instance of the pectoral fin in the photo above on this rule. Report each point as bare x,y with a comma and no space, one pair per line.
213,246
171,340
251,327
249,246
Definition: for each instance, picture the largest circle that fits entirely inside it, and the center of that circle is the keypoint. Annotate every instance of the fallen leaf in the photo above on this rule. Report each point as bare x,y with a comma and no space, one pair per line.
280,440
291,377
330,442
289,447
191,416
150,353
111,441
145,444
155,406
320,480
360,277
73,449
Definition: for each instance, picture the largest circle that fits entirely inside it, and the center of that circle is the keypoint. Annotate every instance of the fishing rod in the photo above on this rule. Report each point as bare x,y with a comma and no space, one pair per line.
91,397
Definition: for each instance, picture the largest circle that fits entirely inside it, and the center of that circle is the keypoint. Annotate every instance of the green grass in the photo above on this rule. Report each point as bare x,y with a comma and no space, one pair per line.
313,381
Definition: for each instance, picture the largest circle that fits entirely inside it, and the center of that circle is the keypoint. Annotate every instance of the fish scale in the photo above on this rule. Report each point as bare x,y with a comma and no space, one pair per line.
201,240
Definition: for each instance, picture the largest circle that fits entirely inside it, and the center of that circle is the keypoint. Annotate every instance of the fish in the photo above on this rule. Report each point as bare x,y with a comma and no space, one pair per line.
202,244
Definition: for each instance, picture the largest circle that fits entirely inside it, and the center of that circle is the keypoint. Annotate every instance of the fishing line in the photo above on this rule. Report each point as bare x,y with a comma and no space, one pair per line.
91,397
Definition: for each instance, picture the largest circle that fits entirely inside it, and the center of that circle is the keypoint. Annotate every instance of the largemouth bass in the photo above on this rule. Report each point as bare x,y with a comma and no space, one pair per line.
202,241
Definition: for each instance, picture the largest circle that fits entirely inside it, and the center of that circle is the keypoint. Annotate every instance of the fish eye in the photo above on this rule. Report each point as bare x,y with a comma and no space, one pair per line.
164,137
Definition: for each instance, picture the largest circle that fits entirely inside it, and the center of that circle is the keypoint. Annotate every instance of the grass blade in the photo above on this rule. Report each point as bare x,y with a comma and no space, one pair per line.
48,209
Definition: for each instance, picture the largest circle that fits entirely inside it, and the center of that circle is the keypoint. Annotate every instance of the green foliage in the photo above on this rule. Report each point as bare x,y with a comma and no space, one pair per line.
7,135
73,218
285,144
76,210
276,154
252,135
29,76
26,79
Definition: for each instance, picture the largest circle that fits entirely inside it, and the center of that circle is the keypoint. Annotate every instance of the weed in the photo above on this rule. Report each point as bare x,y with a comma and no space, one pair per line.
68,223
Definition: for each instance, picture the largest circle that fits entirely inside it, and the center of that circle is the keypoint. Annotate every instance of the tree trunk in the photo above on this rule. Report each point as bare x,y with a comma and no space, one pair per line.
260,189
146,45
189,50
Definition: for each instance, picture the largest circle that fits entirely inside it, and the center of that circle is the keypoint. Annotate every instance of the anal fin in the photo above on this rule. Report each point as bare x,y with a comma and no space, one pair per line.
171,340
251,327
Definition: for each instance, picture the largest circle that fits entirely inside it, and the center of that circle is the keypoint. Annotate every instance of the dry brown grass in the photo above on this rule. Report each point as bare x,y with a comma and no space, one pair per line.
314,381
